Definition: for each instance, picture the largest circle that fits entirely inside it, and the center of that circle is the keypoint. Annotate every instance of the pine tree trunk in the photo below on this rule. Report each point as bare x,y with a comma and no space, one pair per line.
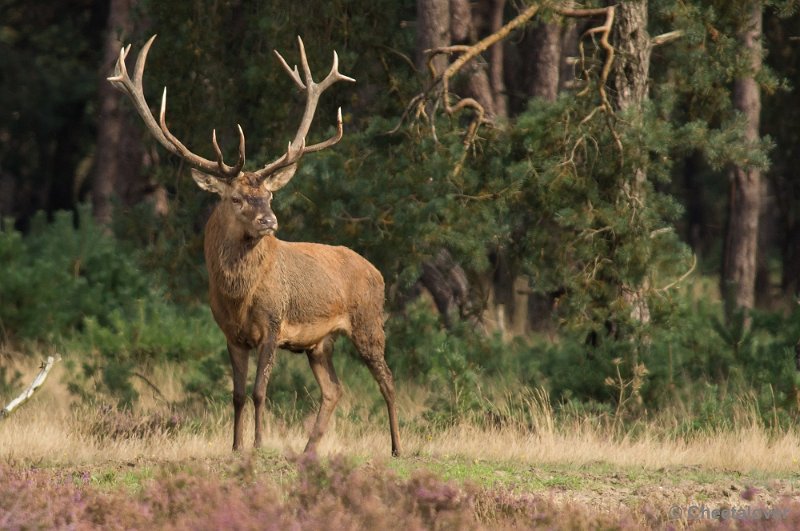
741,239
464,29
540,55
443,278
545,61
629,86
118,159
497,61
433,31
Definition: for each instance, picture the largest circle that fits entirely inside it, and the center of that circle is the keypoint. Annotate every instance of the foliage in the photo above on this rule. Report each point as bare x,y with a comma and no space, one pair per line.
62,273
70,283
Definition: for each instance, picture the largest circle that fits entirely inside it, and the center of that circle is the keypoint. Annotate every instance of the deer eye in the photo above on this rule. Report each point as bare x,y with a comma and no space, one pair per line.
236,201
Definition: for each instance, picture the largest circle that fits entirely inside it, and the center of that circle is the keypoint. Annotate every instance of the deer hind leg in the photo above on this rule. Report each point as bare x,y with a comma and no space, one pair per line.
321,360
239,360
370,345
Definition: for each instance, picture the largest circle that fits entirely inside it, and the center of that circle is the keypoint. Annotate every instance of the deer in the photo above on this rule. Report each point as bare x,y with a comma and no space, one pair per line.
267,294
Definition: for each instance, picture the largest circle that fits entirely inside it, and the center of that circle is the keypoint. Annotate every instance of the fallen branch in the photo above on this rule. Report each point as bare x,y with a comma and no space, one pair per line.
152,386
37,382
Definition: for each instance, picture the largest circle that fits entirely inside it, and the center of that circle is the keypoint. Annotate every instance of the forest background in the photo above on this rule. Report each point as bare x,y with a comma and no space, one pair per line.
621,233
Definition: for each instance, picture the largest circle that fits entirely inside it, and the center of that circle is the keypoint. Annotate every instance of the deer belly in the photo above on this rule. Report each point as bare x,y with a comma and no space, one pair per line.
297,336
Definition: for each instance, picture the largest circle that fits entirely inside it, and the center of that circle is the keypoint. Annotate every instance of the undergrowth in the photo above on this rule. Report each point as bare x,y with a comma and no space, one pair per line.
69,285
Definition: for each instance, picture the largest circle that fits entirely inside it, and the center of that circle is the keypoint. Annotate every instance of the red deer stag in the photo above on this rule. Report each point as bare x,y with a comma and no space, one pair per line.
266,293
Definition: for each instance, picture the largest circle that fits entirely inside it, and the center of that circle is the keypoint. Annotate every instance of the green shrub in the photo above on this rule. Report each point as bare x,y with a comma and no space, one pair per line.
61,273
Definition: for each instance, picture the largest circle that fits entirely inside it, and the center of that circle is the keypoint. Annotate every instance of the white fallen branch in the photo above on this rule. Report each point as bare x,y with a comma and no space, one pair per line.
37,382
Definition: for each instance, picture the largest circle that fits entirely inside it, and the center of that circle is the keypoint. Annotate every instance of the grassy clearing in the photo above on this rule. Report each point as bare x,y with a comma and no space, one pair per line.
52,429
599,477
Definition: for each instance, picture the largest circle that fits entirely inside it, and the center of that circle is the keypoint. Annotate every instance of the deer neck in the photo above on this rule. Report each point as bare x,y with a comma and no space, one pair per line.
236,261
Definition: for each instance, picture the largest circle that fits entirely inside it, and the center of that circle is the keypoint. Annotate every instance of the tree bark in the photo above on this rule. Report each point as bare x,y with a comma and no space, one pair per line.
538,77
433,31
696,206
629,88
569,52
447,283
545,62
464,29
496,61
744,199
118,159
631,68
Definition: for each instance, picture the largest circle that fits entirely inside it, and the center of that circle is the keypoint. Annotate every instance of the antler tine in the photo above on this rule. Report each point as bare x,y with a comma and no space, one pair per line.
120,71
293,73
228,170
133,88
304,62
334,75
141,59
291,156
332,140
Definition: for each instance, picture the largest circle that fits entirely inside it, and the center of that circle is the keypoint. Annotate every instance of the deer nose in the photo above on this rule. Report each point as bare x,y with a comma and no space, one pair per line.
267,221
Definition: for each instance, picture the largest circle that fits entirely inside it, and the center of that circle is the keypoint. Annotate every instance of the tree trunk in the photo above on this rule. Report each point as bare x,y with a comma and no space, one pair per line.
569,52
696,205
741,239
790,281
629,82
540,62
496,61
768,222
437,20
447,283
629,79
533,68
118,158
545,62
433,31
464,29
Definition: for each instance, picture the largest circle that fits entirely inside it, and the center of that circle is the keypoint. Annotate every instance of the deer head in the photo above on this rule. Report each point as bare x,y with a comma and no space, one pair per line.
248,195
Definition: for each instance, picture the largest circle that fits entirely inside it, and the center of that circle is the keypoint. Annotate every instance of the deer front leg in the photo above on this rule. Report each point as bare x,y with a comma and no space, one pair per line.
321,360
239,361
266,359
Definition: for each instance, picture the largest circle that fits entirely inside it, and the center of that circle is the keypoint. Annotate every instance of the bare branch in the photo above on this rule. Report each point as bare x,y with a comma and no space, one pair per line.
679,279
439,88
37,382
664,38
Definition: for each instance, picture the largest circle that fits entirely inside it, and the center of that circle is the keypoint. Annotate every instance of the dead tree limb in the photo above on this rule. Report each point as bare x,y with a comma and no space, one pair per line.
438,94
37,382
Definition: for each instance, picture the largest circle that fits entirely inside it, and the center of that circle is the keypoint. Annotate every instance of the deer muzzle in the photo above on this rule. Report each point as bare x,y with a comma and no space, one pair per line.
266,224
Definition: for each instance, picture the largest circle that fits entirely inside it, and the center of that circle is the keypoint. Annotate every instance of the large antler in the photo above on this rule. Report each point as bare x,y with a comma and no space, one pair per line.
297,147
133,88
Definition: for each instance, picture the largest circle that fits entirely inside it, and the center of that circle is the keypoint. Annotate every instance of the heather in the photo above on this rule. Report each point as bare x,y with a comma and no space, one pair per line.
264,491
333,495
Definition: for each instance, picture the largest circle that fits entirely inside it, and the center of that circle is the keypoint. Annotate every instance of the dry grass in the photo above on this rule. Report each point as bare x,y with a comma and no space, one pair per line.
51,429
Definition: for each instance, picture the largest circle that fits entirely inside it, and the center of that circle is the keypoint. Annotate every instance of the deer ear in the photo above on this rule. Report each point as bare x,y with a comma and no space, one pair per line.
280,178
209,183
